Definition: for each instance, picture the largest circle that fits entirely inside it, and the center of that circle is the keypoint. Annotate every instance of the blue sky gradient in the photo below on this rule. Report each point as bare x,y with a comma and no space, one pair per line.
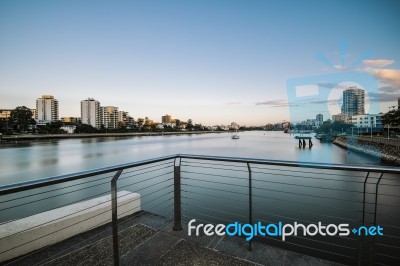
212,61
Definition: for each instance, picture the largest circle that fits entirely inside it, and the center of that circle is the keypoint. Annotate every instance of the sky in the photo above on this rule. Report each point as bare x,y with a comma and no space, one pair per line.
212,61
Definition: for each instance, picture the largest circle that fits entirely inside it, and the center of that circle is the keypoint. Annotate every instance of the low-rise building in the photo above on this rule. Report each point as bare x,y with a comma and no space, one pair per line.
337,118
373,120
68,128
71,120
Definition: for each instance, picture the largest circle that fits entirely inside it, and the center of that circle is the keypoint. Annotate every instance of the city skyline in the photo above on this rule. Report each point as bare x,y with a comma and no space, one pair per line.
213,62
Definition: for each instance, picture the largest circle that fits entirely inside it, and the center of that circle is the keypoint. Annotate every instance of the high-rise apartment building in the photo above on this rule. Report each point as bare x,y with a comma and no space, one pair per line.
353,103
319,119
166,119
47,109
90,112
109,116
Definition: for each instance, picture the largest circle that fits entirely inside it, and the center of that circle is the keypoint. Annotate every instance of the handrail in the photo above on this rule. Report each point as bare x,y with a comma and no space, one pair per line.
42,182
348,167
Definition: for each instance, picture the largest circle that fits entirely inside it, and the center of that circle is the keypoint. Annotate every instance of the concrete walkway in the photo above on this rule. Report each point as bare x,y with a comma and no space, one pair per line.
148,239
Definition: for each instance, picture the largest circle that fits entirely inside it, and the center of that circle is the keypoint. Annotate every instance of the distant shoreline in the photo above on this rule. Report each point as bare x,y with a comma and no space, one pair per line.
12,138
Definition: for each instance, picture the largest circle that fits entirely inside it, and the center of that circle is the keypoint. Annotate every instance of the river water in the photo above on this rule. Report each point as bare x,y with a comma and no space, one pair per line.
25,161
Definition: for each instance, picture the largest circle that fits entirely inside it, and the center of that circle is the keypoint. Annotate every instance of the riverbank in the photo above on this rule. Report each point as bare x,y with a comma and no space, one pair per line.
13,138
386,152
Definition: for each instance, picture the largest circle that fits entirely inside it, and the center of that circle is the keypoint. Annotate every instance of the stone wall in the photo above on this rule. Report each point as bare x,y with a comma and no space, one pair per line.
386,152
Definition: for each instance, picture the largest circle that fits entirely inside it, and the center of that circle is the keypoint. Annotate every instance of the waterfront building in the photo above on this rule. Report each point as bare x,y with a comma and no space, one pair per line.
353,103
367,121
68,128
90,112
71,120
166,119
123,119
319,119
47,108
6,113
337,118
148,121
109,116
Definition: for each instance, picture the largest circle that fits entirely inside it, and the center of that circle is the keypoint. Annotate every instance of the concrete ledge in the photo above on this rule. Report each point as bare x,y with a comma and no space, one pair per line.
34,232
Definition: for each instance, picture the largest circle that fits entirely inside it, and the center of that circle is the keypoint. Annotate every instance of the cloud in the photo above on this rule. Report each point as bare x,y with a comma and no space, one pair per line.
275,103
285,103
234,103
391,76
379,63
385,94
390,90
340,67
331,85
386,75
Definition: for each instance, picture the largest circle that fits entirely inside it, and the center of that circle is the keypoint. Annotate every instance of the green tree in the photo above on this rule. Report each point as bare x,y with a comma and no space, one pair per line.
85,128
391,118
189,124
335,127
21,117
140,122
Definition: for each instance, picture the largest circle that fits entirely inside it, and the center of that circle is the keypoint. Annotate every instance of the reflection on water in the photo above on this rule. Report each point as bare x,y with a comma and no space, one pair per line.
24,161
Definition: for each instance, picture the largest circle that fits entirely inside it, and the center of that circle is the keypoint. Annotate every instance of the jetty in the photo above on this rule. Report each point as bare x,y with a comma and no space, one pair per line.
302,141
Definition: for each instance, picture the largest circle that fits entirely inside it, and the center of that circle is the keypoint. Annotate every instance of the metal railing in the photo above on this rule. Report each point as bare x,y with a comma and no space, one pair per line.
216,189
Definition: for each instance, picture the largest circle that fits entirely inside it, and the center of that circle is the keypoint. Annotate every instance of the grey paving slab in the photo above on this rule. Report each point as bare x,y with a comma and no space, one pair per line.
234,246
266,255
189,253
150,251
297,259
101,252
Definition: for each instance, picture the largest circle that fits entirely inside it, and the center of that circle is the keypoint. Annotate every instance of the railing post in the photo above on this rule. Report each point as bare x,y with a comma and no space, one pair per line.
371,243
250,202
114,206
177,196
361,248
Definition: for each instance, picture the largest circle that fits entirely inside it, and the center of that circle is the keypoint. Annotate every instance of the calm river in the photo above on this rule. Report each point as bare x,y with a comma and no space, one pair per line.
25,161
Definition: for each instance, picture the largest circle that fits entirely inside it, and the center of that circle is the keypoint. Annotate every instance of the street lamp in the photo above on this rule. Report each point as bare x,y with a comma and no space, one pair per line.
371,130
388,126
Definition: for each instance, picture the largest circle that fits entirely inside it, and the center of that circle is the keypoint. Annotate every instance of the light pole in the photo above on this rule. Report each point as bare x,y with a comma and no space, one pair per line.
388,131
371,130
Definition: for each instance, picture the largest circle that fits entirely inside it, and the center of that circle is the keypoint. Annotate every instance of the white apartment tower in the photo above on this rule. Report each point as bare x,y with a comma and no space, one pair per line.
109,116
47,109
90,112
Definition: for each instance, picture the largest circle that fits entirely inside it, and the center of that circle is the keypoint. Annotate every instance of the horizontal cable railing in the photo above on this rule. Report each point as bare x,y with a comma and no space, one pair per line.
212,189
291,192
